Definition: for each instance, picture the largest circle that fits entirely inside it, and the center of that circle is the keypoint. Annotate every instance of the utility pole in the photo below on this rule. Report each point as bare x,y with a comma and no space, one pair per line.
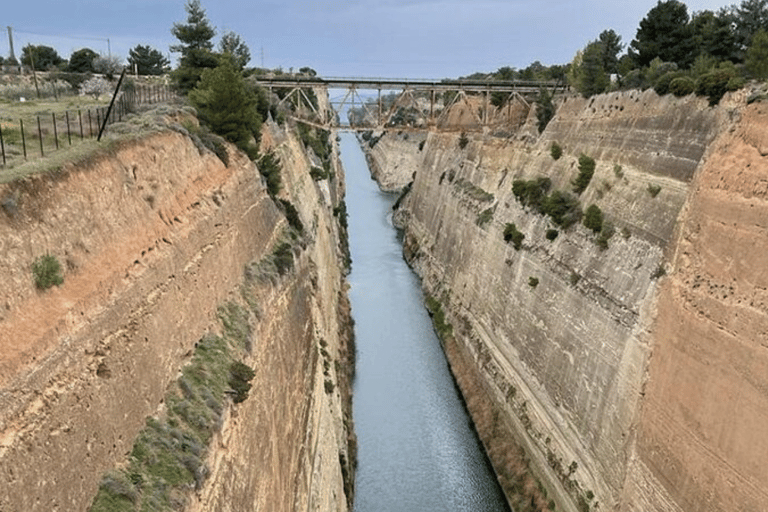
10,42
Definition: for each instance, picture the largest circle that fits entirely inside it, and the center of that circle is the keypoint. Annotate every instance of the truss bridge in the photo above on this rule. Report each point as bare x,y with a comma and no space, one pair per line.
375,104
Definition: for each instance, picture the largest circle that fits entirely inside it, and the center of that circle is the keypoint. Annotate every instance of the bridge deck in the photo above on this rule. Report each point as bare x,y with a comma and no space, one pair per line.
520,86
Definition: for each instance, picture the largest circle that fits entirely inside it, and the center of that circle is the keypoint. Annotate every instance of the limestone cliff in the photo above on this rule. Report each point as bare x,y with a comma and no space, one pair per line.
155,236
628,390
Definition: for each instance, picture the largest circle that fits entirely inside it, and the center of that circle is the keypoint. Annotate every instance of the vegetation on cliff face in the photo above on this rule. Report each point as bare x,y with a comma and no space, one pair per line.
168,456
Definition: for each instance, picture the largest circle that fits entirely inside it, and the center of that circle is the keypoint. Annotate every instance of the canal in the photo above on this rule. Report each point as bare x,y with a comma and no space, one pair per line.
417,449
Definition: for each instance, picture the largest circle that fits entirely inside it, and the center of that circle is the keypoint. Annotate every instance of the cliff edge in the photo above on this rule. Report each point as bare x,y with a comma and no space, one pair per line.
156,236
627,390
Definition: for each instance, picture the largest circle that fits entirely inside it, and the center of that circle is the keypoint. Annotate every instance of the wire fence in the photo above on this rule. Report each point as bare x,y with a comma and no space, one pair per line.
40,135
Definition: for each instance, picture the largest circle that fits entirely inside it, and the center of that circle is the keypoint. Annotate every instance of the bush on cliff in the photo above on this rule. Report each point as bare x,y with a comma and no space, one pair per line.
511,234
556,151
228,106
593,218
269,168
563,208
47,272
682,86
586,171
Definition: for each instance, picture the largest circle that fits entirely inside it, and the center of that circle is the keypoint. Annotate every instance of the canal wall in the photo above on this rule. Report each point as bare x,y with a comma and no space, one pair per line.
160,239
629,364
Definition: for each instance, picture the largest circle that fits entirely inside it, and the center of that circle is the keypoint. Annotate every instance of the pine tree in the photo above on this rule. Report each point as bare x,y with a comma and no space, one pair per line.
756,60
231,44
226,104
195,47
146,60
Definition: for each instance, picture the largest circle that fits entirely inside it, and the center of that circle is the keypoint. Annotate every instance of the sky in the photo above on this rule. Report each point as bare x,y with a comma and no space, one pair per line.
354,38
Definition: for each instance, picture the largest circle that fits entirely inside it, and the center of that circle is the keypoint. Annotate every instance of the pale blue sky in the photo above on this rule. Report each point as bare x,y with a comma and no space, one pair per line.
385,38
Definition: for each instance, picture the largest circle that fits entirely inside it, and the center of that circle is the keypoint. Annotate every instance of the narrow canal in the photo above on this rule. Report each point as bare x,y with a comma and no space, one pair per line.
417,450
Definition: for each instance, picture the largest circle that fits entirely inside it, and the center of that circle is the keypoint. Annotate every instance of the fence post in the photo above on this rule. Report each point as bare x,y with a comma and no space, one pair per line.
80,116
23,138
55,131
40,136
90,126
69,133
111,103
2,144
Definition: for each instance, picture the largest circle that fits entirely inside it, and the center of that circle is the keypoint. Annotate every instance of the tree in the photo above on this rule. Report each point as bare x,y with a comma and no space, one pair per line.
81,61
195,47
227,106
593,218
108,66
750,16
757,55
146,60
664,33
40,57
713,35
589,74
232,45
545,109
612,46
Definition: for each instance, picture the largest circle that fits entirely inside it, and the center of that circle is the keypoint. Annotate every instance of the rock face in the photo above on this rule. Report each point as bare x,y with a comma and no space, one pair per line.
154,237
628,390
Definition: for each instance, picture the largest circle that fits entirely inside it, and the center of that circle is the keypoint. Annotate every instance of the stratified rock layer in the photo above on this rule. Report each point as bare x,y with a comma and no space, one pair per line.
629,390
154,237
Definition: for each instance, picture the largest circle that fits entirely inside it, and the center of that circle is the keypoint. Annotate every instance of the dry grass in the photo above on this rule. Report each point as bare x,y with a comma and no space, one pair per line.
132,127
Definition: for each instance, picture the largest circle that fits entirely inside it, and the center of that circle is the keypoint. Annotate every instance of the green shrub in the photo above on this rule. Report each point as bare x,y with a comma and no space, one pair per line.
552,234
533,282
563,208
292,215
340,212
435,310
654,189
227,105
269,167
586,171
511,234
402,195
531,192
682,86
283,258
715,84
545,109
618,171
463,140
318,174
47,272
485,217
593,218
662,85
605,234
556,151
240,376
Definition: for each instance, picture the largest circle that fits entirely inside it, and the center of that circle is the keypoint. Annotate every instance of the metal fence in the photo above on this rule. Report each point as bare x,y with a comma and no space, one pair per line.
40,135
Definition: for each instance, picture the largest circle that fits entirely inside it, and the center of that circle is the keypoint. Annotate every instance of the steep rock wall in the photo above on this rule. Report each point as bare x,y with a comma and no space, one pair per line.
561,332
155,236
